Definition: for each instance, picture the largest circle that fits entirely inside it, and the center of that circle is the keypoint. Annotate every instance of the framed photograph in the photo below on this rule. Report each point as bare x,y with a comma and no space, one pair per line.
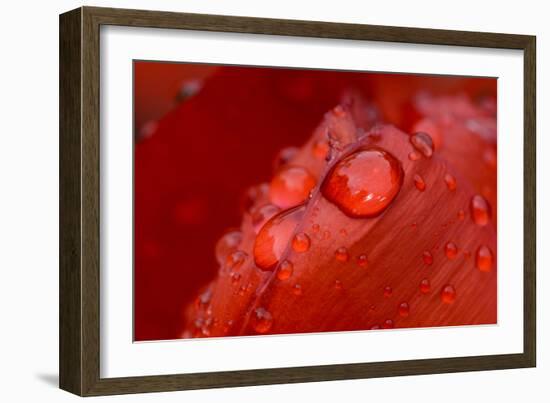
250,201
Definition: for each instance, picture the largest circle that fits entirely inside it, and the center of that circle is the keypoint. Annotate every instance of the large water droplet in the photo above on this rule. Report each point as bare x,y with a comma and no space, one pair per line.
419,183
341,254
481,212
274,237
364,183
451,250
227,244
484,258
285,270
423,143
448,294
261,215
301,242
261,320
291,186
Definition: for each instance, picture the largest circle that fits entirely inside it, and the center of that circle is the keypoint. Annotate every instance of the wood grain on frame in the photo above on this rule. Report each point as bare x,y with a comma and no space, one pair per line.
79,200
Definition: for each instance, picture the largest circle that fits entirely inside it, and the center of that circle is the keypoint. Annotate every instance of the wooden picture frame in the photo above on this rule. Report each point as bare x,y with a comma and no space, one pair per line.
79,201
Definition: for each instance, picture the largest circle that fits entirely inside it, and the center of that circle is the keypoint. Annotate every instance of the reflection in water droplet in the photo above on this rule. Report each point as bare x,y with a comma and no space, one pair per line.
425,286
364,183
448,294
290,186
451,251
480,210
261,320
419,183
484,259
285,270
427,258
301,242
341,254
227,244
423,143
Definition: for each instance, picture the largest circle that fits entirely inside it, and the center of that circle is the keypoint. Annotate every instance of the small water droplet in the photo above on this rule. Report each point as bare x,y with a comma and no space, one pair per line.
297,289
227,326
419,183
375,327
490,157
301,242
388,291
450,181
423,143
414,156
343,232
204,299
460,215
235,278
341,254
484,259
320,149
315,228
291,186
338,285
448,294
261,320
253,195
263,214
403,309
326,235
227,244
362,260
242,290
427,258
425,286
480,210
388,324
285,270
364,183
451,250
236,259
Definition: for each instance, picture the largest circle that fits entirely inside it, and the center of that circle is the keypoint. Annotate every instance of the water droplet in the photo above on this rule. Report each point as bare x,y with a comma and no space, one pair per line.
423,143
484,258
375,327
274,237
490,157
227,326
480,210
291,186
388,324
315,228
448,294
450,181
236,259
261,215
414,156
388,291
204,299
341,254
297,289
403,309
419,183
343,232
320,149
460,215
362,260
261,320
425,286
326,235
284,156
301,242
227,244
338,285
253,195
427,258
285,270
451,251
235,278
242,290
364,183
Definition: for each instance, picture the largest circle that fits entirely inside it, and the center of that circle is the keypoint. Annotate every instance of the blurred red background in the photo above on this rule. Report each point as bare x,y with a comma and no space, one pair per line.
204,134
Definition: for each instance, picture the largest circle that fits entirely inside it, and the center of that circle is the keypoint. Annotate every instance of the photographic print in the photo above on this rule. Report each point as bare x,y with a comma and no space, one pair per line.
285,201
